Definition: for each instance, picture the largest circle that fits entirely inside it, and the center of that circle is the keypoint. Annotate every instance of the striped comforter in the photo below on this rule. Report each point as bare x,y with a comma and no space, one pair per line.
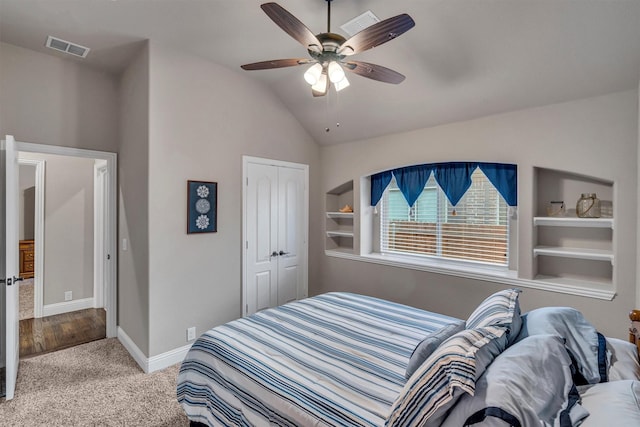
337,359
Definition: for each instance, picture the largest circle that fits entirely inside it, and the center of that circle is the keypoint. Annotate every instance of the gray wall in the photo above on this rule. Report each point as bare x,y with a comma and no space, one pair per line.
203,118
596,136
48,100
68,227
133,217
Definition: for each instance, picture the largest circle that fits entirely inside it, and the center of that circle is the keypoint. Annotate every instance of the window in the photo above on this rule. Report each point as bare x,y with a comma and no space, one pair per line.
476,229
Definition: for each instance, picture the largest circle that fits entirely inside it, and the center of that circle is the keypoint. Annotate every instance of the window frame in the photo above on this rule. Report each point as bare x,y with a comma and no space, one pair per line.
441,210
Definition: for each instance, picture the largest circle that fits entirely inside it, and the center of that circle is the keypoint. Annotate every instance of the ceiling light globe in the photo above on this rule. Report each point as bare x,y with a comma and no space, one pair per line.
341,84
321,84
312,75
336,73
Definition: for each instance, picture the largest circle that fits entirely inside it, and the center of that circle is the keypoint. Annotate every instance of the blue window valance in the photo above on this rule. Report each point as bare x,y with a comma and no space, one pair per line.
453,177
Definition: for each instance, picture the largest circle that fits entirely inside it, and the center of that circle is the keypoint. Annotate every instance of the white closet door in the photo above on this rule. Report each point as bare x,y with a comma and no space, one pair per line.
262,243
291,239
275,227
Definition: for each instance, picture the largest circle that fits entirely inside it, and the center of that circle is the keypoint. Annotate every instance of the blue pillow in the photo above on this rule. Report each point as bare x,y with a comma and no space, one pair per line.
500,309
425,347
529,384
586,346
450,371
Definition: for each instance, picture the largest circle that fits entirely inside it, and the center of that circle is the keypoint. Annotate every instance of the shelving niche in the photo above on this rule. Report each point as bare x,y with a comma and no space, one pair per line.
339,225
567,249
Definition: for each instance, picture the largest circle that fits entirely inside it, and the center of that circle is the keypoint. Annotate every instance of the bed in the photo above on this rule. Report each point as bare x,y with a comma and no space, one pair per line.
343,359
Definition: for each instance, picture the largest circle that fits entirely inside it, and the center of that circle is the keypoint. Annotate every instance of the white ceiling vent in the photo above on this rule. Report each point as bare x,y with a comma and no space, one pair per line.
67,47
359,23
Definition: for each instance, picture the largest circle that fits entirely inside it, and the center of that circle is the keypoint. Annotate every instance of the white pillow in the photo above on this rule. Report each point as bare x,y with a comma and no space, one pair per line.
624,360
612,404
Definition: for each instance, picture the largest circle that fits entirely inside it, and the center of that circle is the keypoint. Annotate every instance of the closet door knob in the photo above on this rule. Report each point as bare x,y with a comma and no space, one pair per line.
283,253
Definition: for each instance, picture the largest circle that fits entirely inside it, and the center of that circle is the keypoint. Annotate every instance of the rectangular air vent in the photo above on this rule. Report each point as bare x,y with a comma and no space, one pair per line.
359,23
67,47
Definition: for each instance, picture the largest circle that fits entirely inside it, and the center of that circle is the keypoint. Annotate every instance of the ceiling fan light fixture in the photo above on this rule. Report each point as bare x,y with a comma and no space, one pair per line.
344,83
336,73
312,75
321,84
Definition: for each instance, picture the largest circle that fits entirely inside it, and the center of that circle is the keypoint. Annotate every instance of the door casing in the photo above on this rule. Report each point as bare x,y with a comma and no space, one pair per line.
110,223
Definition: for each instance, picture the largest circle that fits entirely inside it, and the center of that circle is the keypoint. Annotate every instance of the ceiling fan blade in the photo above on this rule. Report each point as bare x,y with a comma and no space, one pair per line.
377,34
374,72
292,26
276,63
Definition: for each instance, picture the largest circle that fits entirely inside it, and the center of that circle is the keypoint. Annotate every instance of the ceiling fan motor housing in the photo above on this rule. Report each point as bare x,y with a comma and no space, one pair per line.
330,44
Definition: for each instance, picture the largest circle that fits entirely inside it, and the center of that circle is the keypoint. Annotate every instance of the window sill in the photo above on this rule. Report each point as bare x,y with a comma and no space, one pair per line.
487,274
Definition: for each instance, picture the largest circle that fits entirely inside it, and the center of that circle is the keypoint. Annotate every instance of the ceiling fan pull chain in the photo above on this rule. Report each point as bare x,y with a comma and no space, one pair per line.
337,109
326,112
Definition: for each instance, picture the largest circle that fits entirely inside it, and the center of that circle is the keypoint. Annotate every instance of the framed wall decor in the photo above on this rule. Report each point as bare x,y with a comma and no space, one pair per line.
202,207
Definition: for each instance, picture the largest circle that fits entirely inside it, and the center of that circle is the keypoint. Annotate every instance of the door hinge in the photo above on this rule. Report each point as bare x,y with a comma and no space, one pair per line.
247,179
247,244
246,309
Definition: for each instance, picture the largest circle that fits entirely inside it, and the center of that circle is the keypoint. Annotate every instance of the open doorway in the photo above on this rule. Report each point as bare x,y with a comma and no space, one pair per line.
62,251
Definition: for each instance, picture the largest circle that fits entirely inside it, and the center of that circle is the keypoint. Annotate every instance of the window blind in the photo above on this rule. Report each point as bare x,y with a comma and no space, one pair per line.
476,229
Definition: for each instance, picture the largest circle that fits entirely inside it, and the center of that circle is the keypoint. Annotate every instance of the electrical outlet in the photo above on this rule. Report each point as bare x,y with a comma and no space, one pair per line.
68,296
191,333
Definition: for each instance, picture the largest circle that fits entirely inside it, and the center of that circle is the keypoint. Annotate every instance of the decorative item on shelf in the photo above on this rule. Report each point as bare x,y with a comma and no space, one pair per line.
556,208
606,209
588,206
346,209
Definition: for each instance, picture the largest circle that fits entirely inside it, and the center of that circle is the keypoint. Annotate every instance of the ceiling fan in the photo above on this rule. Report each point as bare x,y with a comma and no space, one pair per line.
330,52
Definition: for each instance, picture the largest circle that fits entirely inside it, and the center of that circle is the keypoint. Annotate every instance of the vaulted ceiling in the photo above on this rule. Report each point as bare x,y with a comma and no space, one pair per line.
463,59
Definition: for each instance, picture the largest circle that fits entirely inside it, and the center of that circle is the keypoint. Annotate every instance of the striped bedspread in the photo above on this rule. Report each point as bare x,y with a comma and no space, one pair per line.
337,359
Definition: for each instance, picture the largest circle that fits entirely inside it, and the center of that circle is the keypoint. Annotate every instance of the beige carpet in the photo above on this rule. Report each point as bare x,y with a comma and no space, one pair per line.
25,299
94,384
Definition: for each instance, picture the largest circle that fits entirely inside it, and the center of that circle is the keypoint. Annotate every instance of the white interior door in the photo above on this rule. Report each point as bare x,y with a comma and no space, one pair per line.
9,173
261,261
275,219
291,234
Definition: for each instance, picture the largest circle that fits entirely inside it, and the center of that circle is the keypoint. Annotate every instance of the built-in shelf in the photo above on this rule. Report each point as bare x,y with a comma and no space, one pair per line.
339,214
551,221
336,233
569,250
339,225
578,253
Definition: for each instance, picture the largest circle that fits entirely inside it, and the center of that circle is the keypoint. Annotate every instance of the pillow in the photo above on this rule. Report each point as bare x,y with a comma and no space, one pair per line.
586,346
529,384
499,309
450,371
612,404
624,360
429,344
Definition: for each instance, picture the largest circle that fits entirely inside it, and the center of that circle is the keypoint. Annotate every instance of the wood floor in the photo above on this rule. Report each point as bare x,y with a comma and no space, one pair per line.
52,333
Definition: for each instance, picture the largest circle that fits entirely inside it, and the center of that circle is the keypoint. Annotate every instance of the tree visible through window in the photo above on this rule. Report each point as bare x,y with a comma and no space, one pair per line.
476,229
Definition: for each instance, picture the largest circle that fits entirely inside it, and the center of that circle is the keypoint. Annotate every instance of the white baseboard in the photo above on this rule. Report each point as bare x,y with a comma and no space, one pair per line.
155,363
67,306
